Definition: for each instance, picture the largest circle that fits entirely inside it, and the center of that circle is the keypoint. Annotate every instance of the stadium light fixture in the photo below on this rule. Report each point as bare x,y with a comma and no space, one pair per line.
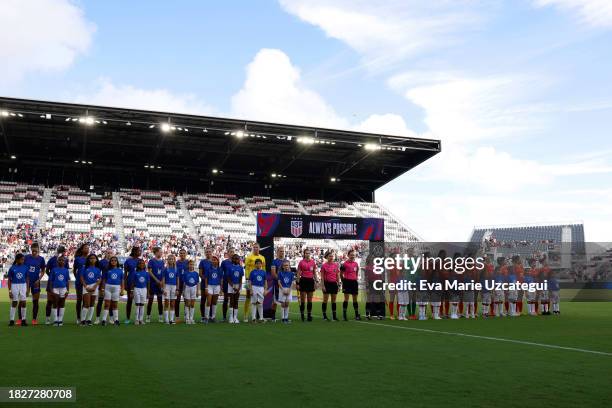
146,166
165,127
215,171
333,179
273,175
76,161
372,146
306,140
128,123
87,120
239,134
151,126
13,157
4,113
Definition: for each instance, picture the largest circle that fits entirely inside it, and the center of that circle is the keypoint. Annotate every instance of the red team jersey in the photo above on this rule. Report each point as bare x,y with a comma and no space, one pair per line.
350,271
330,271
306,268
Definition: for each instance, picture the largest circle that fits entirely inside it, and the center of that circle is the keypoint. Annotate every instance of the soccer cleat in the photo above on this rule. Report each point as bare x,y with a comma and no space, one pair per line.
34,322
24,323
47,321
309,318
60,324
148,319
391,317
89,323
116,322
103,322
358,317
160,319
212,320
97,322
245,321
12,323
262,320
127,321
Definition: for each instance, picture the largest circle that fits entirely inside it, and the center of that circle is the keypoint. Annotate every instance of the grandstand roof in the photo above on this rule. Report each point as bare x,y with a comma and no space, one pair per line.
64,143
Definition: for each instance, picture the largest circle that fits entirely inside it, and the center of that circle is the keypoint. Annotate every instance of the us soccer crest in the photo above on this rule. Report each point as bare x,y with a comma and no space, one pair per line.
297,227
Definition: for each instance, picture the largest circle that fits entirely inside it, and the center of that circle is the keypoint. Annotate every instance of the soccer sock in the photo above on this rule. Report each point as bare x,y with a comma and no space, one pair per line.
104,315
309,308
461,306
203,308
34,309
356,307
48,307
171,315
84,314
128,308
61,314
412,308
436,310
206,312
402,311
247,303
99,306
391,309
177,306
235,313
91,312
334,310
302,309
12,313
225,299
520,306
78,306
260,310
506,306
253,312
213,311
324,309
344,307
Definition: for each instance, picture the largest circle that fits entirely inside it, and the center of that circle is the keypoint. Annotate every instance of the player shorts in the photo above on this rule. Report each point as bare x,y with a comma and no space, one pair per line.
257,294
307,285
454,296
34,287
285,295
86,292
435,296
543,296
403,297
231,289
554,296
140,295
170,292
422,297
350,286
499,296
485,298
19,291
331,288
111,292
532,296
468,296
190,292
155,290
214,289
512,296
61,292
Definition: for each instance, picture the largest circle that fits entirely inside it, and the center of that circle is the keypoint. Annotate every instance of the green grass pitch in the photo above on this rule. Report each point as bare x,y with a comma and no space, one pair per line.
318,364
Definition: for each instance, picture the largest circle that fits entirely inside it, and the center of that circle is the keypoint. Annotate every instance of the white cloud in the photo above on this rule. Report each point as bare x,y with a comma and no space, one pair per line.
387,31
273,91
593,13
41,35
106,93
461,109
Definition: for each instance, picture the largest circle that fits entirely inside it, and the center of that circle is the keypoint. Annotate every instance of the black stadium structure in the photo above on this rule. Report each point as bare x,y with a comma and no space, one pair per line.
104,148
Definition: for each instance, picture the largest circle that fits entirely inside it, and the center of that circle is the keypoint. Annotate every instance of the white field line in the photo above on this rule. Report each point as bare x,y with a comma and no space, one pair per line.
475,336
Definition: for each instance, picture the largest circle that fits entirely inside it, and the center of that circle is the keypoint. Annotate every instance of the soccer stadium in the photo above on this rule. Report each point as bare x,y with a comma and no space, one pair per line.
167,183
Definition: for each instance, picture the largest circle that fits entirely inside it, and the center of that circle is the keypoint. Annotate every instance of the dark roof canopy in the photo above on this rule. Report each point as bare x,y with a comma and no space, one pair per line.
63,143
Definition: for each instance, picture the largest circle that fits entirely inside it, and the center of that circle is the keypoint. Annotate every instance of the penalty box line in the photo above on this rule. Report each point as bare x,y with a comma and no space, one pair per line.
501,339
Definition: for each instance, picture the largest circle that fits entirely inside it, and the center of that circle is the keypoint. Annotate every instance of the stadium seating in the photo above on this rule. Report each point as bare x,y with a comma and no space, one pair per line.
72,214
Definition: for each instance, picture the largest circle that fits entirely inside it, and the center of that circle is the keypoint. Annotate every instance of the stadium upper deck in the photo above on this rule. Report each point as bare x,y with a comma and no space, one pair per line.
104,149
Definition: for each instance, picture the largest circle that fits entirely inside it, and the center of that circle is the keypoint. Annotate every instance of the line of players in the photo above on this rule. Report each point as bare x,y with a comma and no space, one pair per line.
454,304
99,283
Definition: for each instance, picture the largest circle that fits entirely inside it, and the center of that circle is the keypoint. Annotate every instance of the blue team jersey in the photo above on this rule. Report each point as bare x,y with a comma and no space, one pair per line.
236,274
205,265
129,267
59,277
35,264
191,278
91,275
157,267
553,283
18,273
182,267
528,278
278,264
141,278
170,276
214,275
104,265
286,278
511,278
114,276
51,263
257,277
79,267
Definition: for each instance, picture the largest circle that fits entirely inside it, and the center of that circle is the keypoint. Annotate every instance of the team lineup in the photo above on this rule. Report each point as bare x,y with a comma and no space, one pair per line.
99,284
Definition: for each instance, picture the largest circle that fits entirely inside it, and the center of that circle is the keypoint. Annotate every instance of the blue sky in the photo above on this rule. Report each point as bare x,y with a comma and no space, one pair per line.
519,92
